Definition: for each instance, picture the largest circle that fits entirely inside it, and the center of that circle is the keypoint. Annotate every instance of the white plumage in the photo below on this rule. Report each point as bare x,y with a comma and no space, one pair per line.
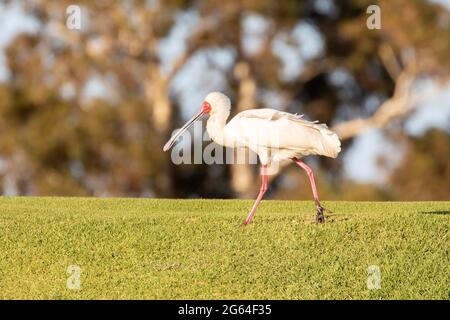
274,135
284,135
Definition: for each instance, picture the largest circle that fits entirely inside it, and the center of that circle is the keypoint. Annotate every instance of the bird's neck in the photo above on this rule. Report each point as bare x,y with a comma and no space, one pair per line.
216,127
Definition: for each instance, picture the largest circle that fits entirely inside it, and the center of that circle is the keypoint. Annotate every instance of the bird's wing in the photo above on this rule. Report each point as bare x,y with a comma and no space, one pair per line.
282,130
268,114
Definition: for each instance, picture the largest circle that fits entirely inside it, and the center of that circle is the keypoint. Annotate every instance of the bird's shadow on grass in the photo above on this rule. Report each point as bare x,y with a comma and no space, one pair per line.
331,218
444,212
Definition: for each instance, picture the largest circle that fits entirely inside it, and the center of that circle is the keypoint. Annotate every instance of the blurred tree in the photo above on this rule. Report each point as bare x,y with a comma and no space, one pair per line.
424,173
68,145
56,139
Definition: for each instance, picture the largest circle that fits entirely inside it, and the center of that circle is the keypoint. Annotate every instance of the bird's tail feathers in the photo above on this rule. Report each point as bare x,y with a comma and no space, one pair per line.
329,140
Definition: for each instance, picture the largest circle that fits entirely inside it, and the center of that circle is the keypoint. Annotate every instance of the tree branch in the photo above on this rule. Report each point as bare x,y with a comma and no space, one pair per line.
395,107
192,47
391,64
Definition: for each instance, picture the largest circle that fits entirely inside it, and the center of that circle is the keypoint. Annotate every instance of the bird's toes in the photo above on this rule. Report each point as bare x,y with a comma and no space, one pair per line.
320,218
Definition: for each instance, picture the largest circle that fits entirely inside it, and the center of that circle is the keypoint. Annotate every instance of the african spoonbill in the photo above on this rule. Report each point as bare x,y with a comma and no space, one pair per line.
274,136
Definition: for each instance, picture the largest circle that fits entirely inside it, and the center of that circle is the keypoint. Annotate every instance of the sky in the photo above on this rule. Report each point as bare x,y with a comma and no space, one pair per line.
444,3
360,162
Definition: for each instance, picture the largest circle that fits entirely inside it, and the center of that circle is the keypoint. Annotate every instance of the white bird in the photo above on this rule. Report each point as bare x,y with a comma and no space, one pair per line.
274,135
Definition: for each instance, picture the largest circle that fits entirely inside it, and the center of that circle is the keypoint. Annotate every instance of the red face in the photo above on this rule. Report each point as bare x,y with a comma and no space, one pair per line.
206,108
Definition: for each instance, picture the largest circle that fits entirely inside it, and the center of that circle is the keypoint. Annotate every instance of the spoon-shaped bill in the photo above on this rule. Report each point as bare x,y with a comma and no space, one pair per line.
174,138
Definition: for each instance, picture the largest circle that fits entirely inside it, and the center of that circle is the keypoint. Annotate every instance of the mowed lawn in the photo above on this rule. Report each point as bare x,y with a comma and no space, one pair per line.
198,249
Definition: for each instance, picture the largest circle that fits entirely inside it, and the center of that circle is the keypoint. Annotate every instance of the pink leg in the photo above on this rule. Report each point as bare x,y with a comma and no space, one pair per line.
320,217
260,195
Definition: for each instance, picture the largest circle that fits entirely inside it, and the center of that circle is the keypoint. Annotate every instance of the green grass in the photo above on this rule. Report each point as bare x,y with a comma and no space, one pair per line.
198,249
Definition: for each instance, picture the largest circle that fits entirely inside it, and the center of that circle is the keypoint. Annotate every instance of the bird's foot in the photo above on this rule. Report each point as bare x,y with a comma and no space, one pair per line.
248,221
320,217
